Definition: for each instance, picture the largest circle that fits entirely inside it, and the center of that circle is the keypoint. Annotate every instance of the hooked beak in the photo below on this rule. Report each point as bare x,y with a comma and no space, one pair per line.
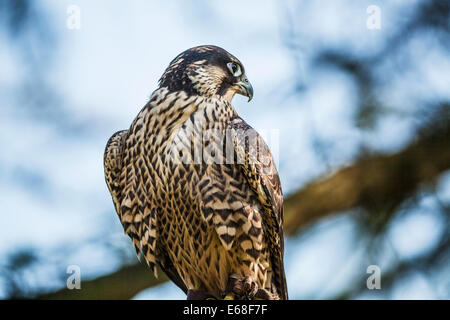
245,87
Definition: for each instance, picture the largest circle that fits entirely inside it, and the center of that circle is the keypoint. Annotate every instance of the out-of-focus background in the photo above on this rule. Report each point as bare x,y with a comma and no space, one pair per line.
357,91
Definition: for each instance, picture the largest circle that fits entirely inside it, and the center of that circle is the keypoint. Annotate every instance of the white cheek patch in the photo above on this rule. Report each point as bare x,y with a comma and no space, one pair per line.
206,79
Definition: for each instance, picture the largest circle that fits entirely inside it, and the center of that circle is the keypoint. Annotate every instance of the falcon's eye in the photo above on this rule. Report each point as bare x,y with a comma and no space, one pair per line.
234,68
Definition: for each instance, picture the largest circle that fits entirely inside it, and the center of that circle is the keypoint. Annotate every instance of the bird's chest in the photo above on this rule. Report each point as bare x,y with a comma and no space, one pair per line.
194,172
178,154
193,153
200,140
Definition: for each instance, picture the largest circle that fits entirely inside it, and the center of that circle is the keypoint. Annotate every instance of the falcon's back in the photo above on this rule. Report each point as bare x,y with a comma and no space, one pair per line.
189,206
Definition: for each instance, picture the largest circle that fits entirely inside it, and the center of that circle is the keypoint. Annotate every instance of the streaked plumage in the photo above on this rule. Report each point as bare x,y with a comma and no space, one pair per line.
194,186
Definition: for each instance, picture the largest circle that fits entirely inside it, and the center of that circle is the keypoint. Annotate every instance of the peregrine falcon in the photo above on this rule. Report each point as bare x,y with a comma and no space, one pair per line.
196,188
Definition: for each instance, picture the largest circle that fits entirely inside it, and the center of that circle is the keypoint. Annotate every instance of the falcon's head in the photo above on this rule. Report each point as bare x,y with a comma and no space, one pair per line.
207,71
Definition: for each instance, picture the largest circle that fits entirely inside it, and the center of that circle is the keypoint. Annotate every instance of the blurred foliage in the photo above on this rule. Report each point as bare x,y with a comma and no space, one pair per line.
13,272
391,188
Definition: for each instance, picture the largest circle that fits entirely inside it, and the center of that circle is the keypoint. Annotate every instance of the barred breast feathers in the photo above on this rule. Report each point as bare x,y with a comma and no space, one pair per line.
145,147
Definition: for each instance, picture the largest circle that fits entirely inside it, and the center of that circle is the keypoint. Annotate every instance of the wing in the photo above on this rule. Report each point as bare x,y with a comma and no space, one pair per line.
257,165
138,223
112,163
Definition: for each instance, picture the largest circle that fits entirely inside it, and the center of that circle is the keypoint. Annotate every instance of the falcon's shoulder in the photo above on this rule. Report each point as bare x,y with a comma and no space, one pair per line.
258,167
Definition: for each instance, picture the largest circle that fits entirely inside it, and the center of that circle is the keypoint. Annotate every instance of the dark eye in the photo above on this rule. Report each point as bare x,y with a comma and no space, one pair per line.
234,68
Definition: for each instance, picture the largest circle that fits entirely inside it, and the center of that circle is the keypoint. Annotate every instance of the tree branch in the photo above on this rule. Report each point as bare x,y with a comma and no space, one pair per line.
123,284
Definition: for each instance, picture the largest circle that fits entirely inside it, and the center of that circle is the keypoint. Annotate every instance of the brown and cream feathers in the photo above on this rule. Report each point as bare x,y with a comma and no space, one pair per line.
194,186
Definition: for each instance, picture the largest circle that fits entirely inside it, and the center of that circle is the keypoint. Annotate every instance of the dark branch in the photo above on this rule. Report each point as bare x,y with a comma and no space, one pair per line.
377,183
120,285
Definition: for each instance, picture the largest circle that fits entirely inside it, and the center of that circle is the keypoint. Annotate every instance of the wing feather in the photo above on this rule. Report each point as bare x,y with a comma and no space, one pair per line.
112,163
114,166
258,167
